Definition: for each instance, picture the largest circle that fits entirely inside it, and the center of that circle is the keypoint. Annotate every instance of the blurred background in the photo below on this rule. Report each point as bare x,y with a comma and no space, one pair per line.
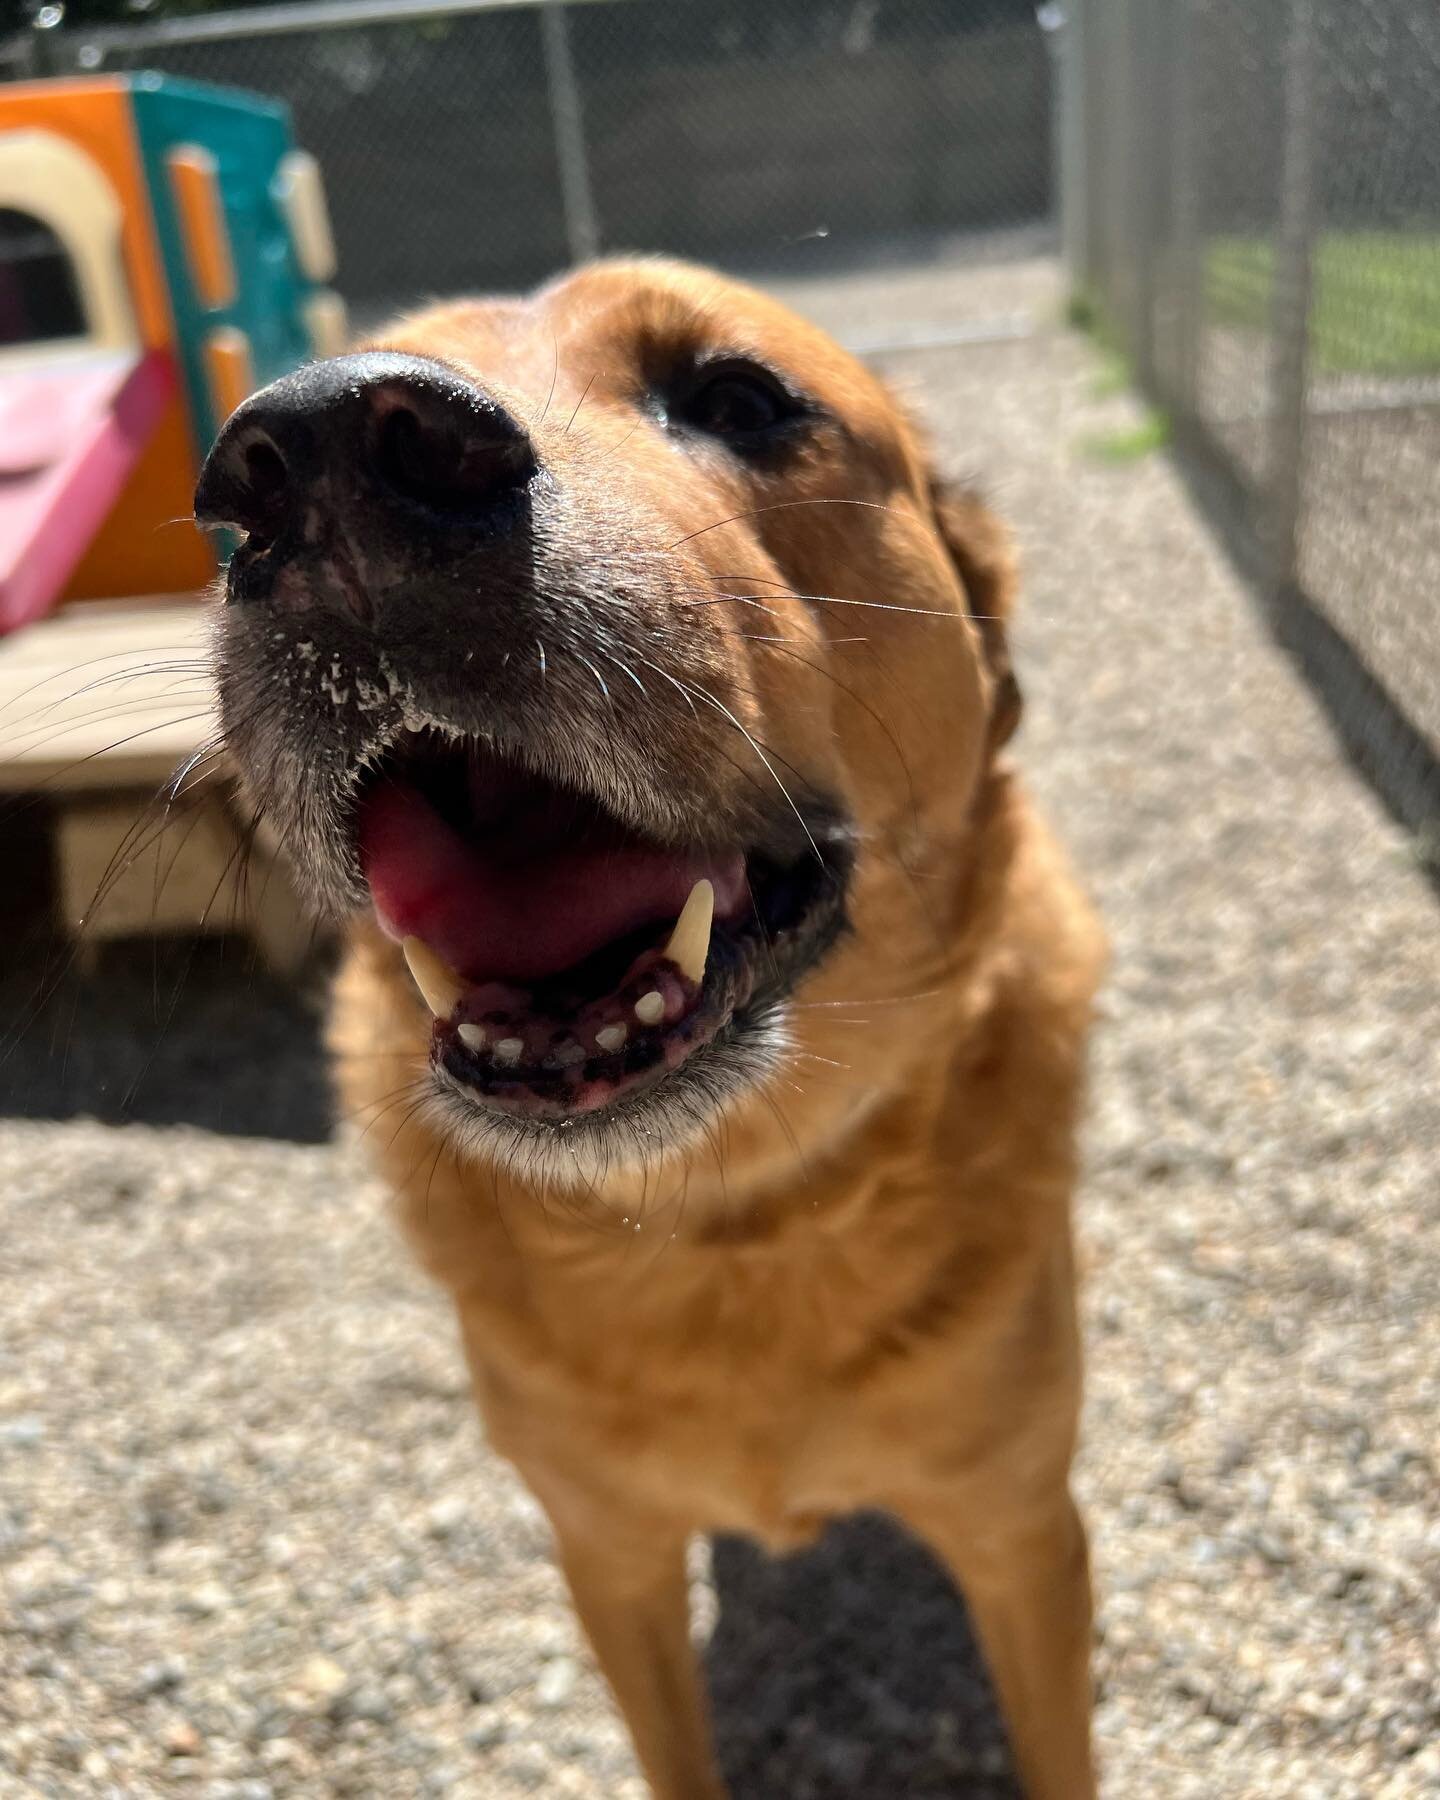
1165,276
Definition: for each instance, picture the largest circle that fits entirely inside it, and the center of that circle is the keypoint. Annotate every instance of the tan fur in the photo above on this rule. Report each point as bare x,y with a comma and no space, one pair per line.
857,1289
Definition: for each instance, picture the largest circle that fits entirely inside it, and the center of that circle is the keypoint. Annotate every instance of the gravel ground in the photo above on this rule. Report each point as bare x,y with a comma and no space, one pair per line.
252,1543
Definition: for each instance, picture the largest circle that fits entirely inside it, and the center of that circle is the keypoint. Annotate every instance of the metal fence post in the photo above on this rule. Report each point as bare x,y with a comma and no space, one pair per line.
582,227
1064,28
1186,216
1290,301
1147,79
1113,69
1125,111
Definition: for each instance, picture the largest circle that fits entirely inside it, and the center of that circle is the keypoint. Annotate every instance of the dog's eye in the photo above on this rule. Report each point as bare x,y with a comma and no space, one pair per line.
740,403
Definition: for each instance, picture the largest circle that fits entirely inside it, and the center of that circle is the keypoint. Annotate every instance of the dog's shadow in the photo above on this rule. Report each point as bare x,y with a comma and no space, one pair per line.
849,1672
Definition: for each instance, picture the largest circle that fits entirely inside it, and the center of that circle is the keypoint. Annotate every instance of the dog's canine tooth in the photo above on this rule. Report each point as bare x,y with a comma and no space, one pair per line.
690,940
509,1050
650,1008
612,1038
473,1037
440,987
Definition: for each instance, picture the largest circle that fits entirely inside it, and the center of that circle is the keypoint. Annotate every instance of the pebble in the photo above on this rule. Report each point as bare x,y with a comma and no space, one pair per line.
22,1432
446,1516
324,1677
209,1598
487,1730
160,1677
556,1681
181,1739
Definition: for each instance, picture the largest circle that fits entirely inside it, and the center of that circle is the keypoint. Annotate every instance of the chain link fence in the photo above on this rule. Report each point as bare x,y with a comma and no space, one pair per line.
483,144
1252,200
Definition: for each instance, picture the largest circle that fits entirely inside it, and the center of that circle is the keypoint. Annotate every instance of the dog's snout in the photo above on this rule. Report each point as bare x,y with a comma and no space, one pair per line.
354,429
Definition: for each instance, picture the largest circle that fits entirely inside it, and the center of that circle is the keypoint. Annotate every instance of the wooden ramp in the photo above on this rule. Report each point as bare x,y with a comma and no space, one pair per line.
101,705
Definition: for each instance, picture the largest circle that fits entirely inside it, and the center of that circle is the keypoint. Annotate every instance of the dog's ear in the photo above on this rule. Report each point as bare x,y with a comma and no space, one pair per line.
984,558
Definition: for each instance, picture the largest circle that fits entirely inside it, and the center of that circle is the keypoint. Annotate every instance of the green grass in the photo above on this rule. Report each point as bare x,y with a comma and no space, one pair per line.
1131,442
1113,377
1375,303
1086,312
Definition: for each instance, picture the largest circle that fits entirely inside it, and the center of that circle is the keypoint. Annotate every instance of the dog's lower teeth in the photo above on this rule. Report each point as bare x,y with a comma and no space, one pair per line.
650,1008
527,1034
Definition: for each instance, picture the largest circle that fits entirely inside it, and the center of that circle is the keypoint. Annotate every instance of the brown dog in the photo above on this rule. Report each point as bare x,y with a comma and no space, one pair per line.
619,653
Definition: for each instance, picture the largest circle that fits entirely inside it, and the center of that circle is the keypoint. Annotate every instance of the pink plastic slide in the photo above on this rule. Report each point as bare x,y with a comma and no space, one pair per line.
71,430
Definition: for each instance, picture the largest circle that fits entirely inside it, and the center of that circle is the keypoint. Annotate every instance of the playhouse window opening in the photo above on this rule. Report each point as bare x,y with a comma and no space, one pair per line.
39,295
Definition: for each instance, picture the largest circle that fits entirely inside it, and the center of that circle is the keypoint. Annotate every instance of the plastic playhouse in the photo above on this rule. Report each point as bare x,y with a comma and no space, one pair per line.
165,248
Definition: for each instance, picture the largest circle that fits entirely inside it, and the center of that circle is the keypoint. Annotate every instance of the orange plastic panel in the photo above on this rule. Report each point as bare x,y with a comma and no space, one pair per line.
150,543
229,368
195,177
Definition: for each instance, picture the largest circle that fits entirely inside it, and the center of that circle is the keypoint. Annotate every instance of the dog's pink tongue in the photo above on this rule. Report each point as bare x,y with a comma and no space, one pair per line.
519,920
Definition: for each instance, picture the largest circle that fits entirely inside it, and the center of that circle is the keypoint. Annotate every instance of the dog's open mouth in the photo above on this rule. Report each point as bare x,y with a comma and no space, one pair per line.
569,961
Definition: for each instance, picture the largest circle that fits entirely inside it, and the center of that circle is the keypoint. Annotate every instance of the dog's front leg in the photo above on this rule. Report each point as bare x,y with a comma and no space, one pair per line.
630,1590
1024,1571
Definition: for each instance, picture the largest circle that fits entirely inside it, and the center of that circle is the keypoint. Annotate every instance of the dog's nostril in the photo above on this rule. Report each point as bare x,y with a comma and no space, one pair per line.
246,482
404,458
266,475
446,463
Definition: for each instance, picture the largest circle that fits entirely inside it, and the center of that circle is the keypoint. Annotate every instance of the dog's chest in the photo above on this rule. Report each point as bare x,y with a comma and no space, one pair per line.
734,1389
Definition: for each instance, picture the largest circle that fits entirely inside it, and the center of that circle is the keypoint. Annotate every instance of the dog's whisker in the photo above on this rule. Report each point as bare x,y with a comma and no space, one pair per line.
884,1000
755,512
627,671
919,612
88,662
599,681
554,377
584,395
720,706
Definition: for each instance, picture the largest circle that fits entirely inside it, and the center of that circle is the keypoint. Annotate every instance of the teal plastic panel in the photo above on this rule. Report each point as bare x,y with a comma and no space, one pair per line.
247,135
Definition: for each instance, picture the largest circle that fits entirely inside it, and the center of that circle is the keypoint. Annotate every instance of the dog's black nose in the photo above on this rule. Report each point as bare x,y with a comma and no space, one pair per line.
353,430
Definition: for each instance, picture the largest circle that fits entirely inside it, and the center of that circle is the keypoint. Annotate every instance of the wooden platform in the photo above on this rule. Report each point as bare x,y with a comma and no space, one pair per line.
100,705
103,694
